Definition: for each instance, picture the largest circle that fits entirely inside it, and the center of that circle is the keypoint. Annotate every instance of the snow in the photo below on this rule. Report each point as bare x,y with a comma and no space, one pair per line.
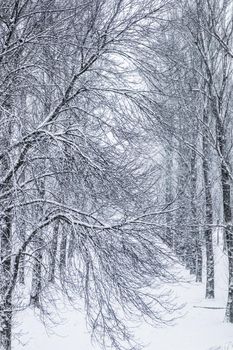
201,326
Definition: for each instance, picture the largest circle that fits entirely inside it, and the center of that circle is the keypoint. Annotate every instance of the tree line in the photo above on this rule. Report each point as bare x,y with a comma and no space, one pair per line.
116,155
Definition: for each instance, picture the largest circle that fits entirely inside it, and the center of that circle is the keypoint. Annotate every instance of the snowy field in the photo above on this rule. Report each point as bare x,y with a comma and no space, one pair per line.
201,327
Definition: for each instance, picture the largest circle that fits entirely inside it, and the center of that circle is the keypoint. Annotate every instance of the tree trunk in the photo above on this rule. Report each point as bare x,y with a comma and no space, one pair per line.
168,196
227,215
36,276
199,262
6,302
227,210
53,254
6,246
196,253
208,234
38,256
63,252
229,238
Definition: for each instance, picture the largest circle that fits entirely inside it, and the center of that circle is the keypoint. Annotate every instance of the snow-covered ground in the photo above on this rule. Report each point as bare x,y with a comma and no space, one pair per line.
200,328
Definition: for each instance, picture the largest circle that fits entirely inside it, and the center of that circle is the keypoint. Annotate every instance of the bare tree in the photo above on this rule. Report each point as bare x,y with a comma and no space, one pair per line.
73,191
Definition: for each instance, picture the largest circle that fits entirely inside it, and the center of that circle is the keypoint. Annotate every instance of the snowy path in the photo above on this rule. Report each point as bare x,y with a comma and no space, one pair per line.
198,329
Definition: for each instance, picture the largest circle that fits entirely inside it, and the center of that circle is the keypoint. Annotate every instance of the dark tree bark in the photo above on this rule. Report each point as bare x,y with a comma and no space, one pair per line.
196,255
208,234
6,303
6,243
37,276
53,253
226,183
227,211
38,252
169,235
